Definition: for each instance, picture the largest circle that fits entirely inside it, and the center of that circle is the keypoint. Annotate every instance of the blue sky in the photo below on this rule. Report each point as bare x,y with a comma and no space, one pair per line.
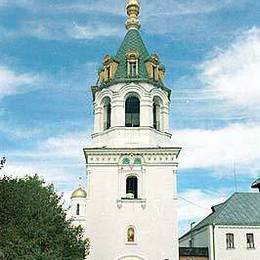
50,52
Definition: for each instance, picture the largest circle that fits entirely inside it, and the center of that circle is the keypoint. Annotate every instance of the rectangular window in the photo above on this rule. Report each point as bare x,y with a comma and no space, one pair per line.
133,69
230,241
77,211
250,240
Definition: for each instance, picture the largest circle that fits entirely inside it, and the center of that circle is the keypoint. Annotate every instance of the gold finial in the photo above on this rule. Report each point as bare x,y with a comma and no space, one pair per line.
133,10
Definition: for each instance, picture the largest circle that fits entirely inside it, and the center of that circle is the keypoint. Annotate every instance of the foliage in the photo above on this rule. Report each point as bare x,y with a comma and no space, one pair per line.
33,223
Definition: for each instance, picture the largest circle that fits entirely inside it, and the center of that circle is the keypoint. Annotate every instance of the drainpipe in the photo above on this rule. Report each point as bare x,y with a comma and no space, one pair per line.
214,251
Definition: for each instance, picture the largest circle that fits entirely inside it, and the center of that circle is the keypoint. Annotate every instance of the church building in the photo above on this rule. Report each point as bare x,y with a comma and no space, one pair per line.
129,207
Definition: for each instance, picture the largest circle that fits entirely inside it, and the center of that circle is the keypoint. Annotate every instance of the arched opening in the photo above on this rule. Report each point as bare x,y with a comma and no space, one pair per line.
130,235
157,113
107,113
132,186
132,112
78,210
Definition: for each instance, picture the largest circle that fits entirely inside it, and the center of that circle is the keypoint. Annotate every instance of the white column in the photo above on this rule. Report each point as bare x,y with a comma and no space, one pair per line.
146,113
165,118
118,113
98,120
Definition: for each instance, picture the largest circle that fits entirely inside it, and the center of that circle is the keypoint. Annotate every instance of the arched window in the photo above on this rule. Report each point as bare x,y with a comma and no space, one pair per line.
77,210
132,112
126,161
157,113
107,113
132,64
137,161
130,235
132,186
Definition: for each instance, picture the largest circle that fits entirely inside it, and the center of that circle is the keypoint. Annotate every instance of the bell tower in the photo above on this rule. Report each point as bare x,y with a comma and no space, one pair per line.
131,167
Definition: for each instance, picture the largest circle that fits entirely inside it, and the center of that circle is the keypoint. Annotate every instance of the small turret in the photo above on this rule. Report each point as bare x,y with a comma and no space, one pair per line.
78,210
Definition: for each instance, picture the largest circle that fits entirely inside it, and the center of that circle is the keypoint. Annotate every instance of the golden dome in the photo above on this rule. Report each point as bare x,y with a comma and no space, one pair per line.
79,193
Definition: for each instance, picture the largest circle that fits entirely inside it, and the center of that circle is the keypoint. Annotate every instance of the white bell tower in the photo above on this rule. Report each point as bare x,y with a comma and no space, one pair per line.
131,165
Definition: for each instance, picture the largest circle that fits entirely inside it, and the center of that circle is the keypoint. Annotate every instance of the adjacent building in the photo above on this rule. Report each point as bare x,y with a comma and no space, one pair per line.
231,231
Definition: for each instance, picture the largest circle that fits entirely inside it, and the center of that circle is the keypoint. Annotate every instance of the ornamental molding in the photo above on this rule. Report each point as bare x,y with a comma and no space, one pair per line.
150,156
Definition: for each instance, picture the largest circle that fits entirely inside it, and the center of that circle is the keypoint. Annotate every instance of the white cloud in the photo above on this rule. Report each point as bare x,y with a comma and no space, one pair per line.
58,160
221,147
70,145
234,73
93,31
12,82
195,204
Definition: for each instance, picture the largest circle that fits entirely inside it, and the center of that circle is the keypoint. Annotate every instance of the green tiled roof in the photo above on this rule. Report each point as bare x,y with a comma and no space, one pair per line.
133,42
241,209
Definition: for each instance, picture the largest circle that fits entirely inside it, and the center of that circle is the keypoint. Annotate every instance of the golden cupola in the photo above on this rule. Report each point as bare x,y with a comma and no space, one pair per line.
133,11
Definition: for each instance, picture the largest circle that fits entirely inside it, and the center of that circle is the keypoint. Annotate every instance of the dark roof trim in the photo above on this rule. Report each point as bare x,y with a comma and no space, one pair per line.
194,251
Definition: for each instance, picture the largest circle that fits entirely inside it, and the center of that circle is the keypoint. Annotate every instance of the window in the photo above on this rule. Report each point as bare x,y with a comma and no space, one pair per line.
156,113
133,69
250,240
77,210
126,161
131,235
132,64
108,72
137,161
132,112
132,186
155,74
230,241
107,113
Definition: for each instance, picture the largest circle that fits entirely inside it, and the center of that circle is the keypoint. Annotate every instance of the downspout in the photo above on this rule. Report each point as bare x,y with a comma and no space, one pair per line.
214,251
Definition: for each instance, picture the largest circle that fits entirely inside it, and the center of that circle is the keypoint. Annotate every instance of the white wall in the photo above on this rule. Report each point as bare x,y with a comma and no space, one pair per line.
240,252
155,223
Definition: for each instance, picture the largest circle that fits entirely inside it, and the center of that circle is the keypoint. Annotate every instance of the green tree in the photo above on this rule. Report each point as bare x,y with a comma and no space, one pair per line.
33,223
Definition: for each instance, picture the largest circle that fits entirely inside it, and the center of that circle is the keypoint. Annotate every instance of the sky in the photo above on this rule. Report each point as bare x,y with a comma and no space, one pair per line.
50,53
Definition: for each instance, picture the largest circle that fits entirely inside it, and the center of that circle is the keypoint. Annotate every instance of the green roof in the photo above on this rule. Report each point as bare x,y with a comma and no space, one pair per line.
133,42
241,209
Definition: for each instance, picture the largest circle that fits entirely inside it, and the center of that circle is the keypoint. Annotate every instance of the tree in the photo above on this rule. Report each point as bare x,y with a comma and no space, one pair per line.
2,162
33,223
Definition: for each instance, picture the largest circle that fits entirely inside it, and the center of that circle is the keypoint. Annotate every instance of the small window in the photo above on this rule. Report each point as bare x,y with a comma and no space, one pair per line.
133,69
107,113
131,235
132,186
77,210
108,72
230,241
250,240
157,113
155,74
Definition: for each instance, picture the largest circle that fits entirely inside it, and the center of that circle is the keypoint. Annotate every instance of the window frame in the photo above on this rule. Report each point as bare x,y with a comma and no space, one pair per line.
127,242
250,244
128,184
107,113
132,113
78,209
230,241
